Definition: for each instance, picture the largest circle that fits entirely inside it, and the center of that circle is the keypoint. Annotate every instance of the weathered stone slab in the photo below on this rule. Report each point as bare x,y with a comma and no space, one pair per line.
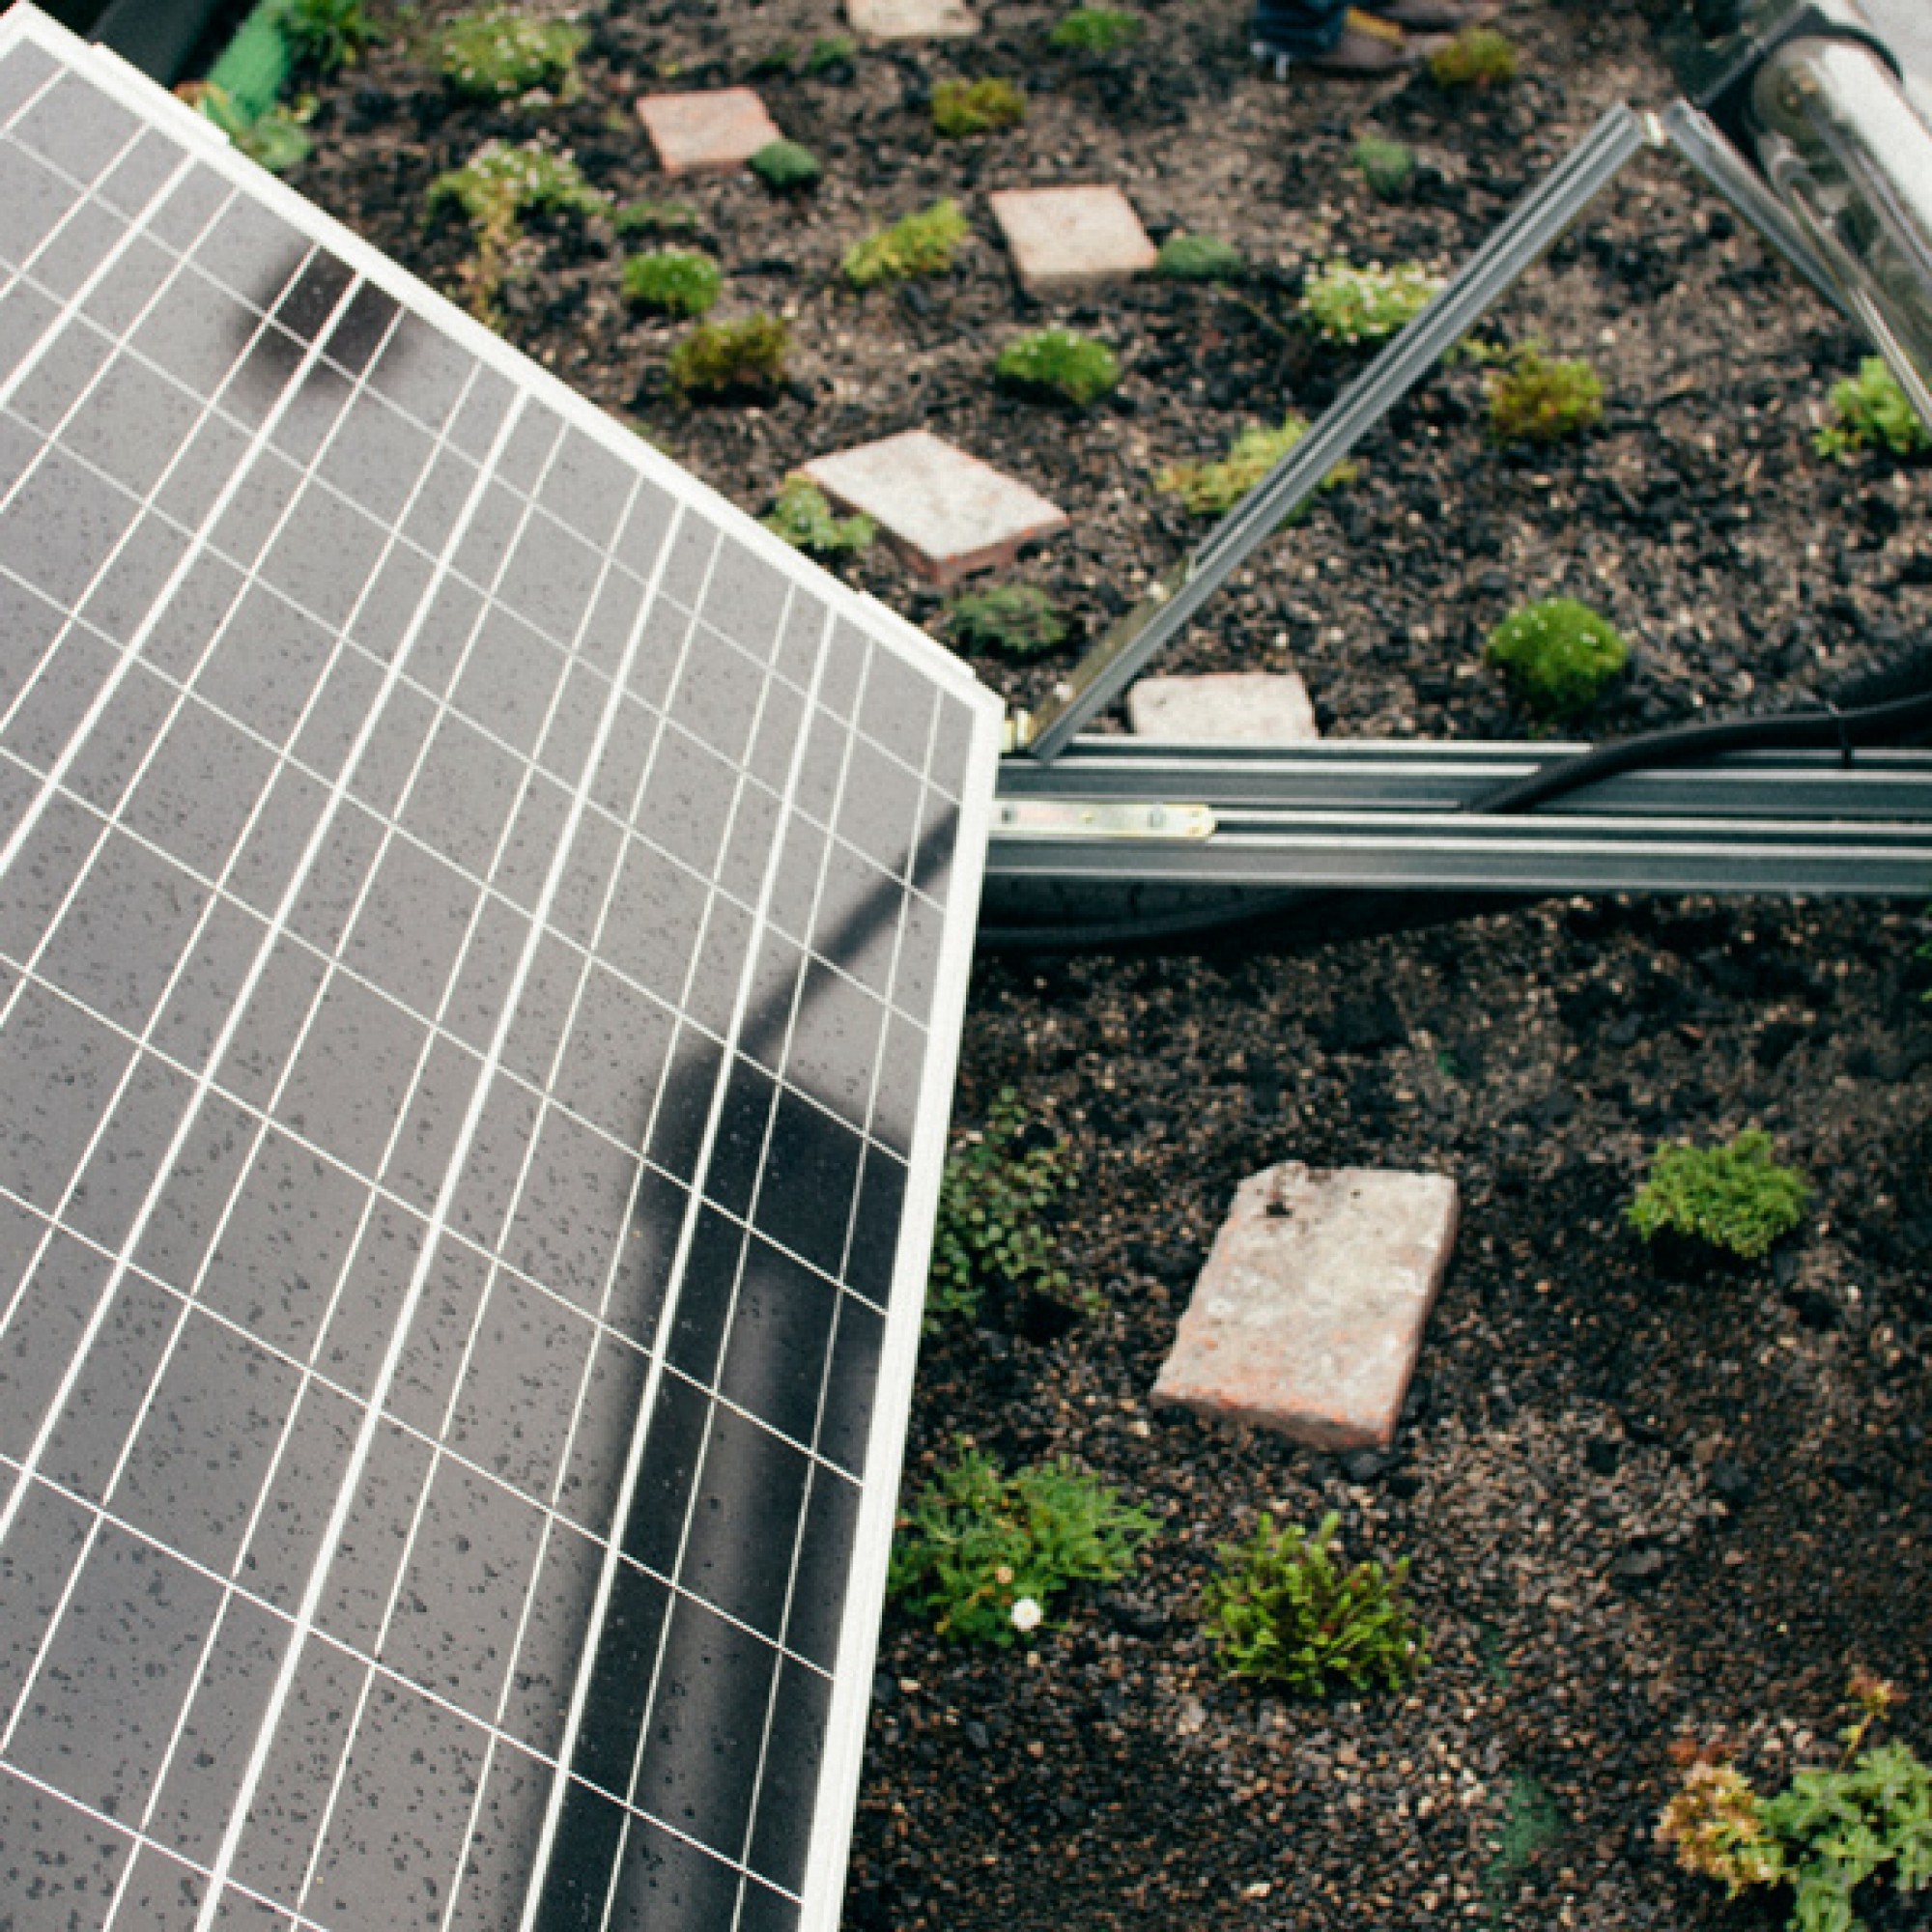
1309,1315
1066,239
947,513
911,19
1231,707
718,127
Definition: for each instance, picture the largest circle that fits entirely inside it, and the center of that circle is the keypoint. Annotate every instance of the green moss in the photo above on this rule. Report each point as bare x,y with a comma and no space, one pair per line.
500,52
1285,1611
1016,618
1347,305
655,217
718,361
829,52
802,515
785,166
1212,489
1871,410
495,188
1477,57
964,107
1542,398
1058,363
1095,30
985,1555
1559,656
673,281
919,245
1387,166
1198,258
1734,1196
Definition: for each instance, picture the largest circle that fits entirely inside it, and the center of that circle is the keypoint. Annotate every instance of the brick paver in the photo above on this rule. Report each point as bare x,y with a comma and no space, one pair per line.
911,19
721,127
1231,707
1308,1316
947,513
1067,238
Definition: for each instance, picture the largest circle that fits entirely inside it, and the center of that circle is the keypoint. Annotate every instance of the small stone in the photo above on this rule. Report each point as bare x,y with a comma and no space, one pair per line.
976,1734
1365,1465
1235,708
1731,1483
1308,1317
1638,1569
947,513
911,19
1066,239
720,127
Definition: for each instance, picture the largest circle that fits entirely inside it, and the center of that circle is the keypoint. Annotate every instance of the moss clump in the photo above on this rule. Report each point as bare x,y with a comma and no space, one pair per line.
804,517
1559,656
1212,489
985,1554
1347,305
831,53
965,108
655,217
1542,398
919,245
1871,410
1387,166
1477,57
673,281
1095,30
1058,363
1283,1611
495,188
502,52
785,167
326,36
1198,258
718,361
1734,1196
1016,618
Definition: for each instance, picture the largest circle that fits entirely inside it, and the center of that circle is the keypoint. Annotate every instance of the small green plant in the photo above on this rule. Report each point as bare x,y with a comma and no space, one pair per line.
495,188
1017,618
1532,1823
961,108
985,1554
326,36
1870,410
655,217
1285,1611
1541,398
1387,166
502,52
275,140
1095,30
1558,654
673,281
1345,304
722,359
785,166
1212,489
1058,363
1733,1197
918,245
1198,258
804,517
828,52
988,1229
1477,57
1824,1834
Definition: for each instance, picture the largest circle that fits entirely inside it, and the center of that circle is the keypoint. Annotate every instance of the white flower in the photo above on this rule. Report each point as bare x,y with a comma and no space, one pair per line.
1026,1615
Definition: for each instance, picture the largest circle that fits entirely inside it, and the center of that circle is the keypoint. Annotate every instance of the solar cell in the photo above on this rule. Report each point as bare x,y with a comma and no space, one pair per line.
482,940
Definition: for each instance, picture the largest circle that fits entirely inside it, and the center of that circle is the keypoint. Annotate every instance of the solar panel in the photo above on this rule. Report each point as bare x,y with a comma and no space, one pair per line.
483,933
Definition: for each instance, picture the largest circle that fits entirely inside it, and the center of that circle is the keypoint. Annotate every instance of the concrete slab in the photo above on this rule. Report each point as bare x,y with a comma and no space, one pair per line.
911,19
1309,1315
718,127
1067,238
1231,707
947,513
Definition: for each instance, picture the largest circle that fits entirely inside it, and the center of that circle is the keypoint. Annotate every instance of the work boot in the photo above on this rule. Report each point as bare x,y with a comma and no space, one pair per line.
1368,49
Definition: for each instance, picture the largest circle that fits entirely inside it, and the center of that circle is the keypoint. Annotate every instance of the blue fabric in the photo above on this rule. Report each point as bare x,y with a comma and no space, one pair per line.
1300,26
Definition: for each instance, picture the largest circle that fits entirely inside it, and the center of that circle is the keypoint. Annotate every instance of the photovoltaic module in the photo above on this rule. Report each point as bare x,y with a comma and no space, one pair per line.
483,935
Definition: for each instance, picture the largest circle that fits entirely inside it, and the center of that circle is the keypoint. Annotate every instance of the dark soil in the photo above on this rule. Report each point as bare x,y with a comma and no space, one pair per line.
1639,1502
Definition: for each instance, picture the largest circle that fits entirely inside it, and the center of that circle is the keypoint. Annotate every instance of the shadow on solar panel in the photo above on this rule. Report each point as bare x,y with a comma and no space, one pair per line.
484,942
